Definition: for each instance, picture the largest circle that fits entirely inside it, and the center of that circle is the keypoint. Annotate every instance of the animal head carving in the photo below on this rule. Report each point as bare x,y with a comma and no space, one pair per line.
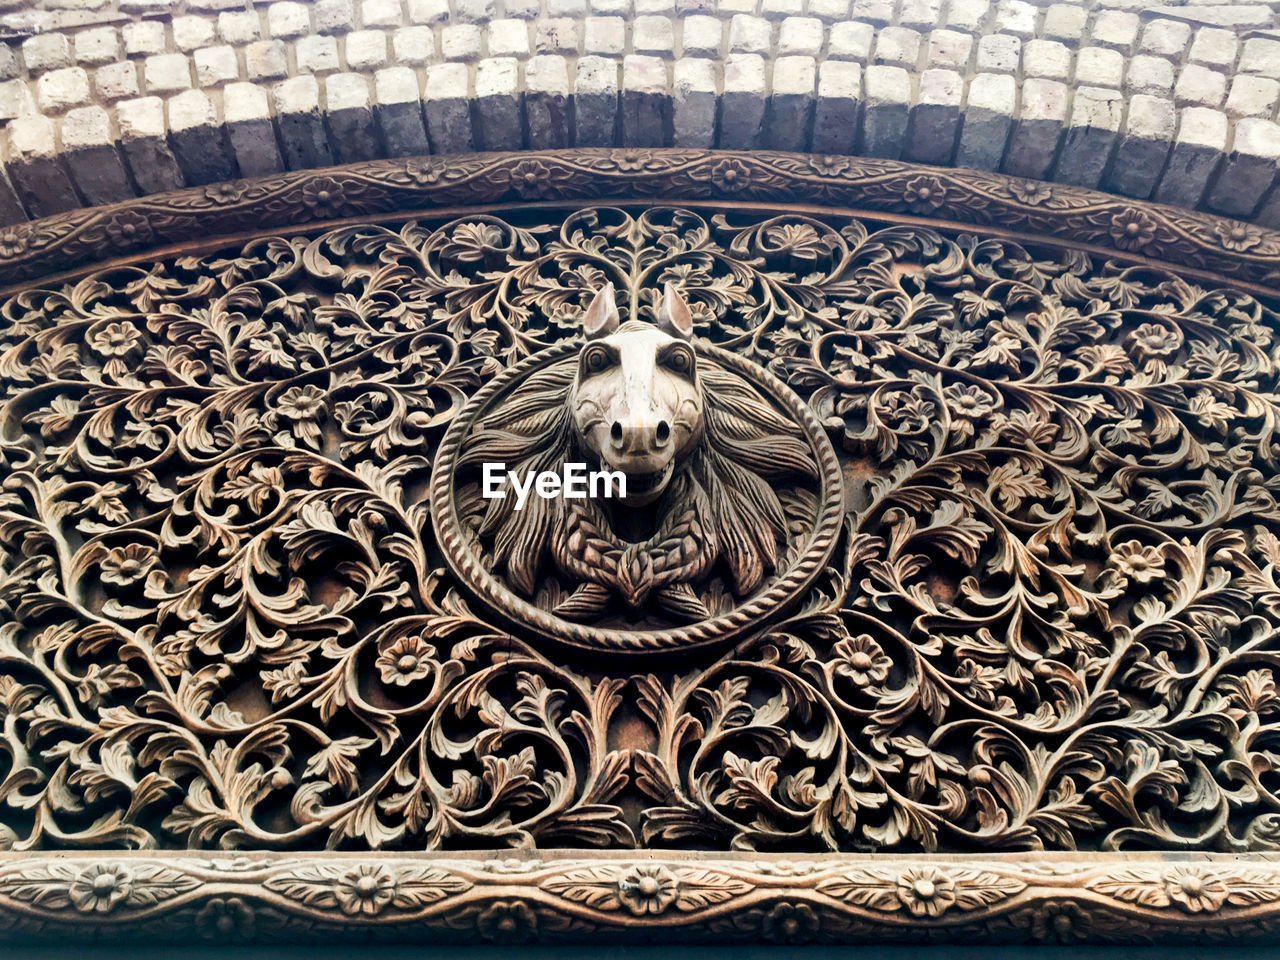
636,401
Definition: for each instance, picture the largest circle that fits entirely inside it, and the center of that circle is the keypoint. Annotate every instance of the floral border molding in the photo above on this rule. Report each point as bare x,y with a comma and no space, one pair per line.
428,898
1135,229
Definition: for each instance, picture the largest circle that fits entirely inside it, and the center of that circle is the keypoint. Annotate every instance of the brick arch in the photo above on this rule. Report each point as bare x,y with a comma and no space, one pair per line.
106,101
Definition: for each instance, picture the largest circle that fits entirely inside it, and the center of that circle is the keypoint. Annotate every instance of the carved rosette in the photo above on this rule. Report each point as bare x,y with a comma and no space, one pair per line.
1025,604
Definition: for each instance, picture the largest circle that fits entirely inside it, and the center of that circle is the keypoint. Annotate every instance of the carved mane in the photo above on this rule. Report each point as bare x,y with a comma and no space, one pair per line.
727,482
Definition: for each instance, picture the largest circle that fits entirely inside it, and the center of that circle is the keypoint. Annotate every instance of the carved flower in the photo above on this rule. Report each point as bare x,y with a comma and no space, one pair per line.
1155,341
926,892
406,660
225,918
116,339
12,243
830,165
1193,891
1136,561
861,661
531,179
967,400
790,923
1057,922
126,565
324,197
98,889
647,888
1031,192
127,228
422,172
507,921
924,194
730,175
222,192
631,160
1132,229
301,403
365,889
1238,236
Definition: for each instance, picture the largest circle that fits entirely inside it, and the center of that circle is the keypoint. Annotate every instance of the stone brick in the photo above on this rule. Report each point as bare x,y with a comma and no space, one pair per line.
949,48
1100,67
1065,22
1261,55
435,11
654,7
507,38
91,156
653,35
595,102
800,37
829,10
646,101
836,112
1096,114
9,68
1144,146
608,7
749,35
367,49
1245,13
415,46
1214,48
97,46
790,111
850,41
887,96
246,117
1166,38
191,32
302,136
447,108
1017,18
566,8
387,13
197,139
239,27
166,73
879,12
458,41
16,100
1042,113
934,123
1149,75
117,81
498,105
778,9
32,159
742,102
216,65
1253,96
920,14
559,35
60,90
546,101
316,53
998,53
399,109
353,132
968,15
700,37
1046,58
1116,28
334,16
695,93
1200,86
726,8
1199,145
1249,169
143,38
47,51
145,146
898,46
288,18
266,60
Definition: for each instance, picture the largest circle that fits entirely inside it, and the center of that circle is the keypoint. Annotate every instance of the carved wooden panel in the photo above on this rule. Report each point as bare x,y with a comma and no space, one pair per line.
975,552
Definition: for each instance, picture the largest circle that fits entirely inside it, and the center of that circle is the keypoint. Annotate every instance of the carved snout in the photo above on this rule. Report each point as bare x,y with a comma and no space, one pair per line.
639,438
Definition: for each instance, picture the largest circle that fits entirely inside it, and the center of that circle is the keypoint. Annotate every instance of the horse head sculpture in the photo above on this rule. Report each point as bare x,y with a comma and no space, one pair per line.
636,401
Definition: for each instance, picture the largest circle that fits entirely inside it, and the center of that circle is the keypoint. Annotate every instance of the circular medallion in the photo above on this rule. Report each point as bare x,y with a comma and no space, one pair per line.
731,507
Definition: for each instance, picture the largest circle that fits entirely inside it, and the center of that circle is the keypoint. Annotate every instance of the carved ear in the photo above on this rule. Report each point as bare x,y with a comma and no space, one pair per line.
602,316
674,316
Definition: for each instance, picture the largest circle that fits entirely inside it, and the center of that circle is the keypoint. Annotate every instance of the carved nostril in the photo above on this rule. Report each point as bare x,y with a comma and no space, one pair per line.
664,431
615,432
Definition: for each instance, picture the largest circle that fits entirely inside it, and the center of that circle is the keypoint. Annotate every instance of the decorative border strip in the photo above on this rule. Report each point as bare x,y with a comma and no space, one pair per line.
1095,898
1133,229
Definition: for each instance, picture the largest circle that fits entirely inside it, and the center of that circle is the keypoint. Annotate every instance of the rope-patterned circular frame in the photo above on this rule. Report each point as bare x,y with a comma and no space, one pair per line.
759,610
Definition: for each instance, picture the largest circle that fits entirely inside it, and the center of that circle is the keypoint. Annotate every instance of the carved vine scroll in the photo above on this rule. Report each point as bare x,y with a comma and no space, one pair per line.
1048,621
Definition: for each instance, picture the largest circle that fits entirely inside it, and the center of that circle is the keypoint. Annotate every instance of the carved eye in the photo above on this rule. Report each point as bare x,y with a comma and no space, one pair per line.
596,360
679,361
